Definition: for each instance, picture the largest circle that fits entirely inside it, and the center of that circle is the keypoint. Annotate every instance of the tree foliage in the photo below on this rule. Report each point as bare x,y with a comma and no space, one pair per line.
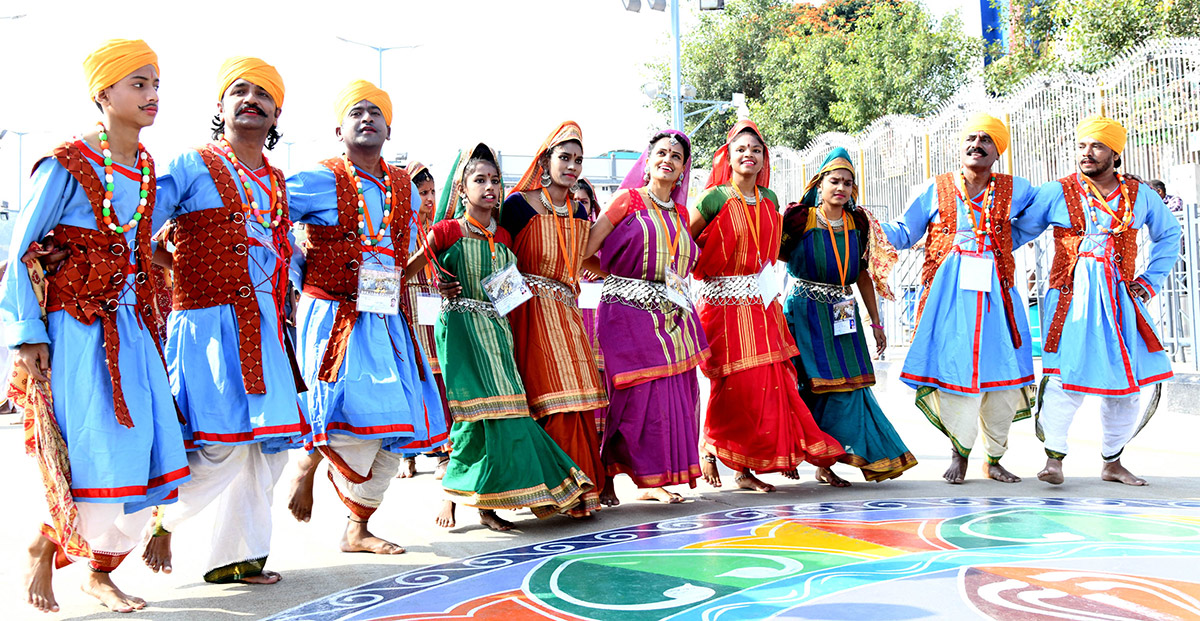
1082,35
809,69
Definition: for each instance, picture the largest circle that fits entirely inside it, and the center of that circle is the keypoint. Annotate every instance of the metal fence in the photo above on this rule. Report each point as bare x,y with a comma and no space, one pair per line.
1153,90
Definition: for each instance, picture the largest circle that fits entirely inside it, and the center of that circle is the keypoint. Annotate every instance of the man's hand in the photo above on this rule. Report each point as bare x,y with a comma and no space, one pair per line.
1138,290
35,358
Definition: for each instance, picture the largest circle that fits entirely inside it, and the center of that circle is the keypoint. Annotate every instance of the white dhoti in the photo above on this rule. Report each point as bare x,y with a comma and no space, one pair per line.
962,417
1118,418
241,479
360,471
109,531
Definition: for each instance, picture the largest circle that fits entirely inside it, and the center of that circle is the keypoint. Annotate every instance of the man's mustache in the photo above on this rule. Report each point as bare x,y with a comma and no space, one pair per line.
250,106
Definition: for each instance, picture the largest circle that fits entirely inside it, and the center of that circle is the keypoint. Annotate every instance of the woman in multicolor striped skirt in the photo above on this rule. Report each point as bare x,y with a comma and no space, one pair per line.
825,242
500,458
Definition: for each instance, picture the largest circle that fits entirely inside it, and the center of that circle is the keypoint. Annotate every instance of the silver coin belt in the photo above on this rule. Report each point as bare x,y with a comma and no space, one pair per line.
461,304
731,290
551,289
636,293
824,293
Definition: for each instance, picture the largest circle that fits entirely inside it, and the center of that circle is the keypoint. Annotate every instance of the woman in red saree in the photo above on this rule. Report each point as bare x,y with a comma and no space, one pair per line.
756,421
554,354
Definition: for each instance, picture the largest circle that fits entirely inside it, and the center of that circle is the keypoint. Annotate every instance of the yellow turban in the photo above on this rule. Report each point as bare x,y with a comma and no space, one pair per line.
990,125
360,90
1109,132
114,60
255,71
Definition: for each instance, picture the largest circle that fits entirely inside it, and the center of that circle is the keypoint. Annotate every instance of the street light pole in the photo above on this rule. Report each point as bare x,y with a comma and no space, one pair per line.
676,102
20,162
379,50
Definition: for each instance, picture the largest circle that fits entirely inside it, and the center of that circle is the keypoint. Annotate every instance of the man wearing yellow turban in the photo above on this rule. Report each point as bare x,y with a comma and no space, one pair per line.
373,398
232,369
1099,339
971,360
91,378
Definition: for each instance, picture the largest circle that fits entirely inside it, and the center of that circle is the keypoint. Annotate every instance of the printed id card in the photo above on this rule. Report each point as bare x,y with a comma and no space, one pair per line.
379,289
589,294
677,291
845,317
428,307
507,289
768,284
975,273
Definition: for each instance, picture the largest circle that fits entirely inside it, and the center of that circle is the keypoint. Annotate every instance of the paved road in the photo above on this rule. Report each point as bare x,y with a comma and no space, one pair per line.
1166,453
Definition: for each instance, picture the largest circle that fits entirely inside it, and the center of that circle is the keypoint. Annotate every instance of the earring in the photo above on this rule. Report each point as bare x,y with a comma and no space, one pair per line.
546,178
646,177
679,181
575,187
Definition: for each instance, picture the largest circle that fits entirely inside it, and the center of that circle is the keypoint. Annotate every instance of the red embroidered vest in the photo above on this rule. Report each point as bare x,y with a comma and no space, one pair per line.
212,266
89,282
335,254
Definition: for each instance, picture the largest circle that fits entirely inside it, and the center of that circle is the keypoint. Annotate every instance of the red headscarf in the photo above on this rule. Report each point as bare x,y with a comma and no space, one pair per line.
722,170
532,179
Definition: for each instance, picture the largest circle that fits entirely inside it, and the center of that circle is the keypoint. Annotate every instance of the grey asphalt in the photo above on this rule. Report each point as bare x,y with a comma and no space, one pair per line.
1166,453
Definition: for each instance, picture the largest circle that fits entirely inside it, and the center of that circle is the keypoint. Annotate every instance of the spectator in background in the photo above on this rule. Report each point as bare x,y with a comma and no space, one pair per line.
1174,203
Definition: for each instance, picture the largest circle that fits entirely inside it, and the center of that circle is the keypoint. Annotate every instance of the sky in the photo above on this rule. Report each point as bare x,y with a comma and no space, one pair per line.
505,72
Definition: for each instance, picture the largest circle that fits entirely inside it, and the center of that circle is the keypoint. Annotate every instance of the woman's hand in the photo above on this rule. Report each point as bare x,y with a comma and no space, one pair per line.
880,340
449,289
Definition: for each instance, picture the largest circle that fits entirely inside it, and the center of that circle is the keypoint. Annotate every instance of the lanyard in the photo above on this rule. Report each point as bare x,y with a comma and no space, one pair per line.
672,240
1121,217
753,222
842,267
984,232
491,237
568,253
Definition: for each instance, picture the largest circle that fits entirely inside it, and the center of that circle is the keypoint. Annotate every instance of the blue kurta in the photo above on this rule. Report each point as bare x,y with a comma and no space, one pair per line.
378,392
202,349
110,463
1101,351
960,328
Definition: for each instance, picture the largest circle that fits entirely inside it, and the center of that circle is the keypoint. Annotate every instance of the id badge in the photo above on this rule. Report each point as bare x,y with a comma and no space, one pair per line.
975,273
379,289
677,291
768,284
507,289
845,317
429,305
589,294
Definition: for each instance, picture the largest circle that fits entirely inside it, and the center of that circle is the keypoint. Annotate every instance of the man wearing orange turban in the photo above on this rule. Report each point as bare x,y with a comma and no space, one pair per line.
232,370
971,360
91,379
1099,340
373,398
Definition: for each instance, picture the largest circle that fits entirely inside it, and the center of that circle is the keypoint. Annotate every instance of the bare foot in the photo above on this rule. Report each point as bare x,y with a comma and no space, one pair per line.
608,497
100,586
445,517
826,475
408,469
1115,472
300,502
662,495
440,470
157,554
40,575
358,539
792,474
996,472
1052,473
957,472
747,480
494,522
266,577
708,469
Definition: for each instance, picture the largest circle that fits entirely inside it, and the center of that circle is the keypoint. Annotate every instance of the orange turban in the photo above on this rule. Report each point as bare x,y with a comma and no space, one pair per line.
255,71
990,125
114,60
1109,132
362,90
